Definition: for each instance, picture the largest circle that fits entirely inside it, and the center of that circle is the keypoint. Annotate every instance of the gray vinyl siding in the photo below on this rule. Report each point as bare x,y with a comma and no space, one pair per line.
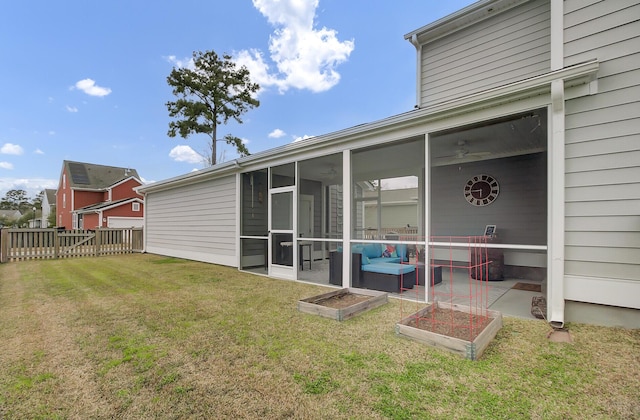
334,214
314,189
519,212
506,48
603,142
196,221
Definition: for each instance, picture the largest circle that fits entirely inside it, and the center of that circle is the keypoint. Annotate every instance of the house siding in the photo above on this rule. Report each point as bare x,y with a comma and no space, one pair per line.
602,195
63,202
90,221
124,190
196,221
314,189
47,207
506,48
124,210
334,217
85,198
519,211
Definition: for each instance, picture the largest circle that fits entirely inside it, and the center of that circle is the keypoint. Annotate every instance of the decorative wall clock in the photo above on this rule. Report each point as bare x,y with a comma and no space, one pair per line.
481,190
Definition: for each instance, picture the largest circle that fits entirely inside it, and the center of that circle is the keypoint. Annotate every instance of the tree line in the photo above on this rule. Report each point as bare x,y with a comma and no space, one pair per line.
19,200
210,93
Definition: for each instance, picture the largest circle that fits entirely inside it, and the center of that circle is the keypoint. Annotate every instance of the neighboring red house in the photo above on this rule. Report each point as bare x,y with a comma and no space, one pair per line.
91,196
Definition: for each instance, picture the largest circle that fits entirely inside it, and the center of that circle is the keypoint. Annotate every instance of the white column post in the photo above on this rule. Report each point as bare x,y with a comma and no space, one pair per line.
347,200
426,200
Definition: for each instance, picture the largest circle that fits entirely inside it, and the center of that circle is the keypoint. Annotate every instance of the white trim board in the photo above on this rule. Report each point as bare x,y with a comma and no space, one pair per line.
227,260
615,292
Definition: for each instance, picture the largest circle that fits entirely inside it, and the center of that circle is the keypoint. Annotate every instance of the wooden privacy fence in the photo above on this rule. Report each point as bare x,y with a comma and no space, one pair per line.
26,244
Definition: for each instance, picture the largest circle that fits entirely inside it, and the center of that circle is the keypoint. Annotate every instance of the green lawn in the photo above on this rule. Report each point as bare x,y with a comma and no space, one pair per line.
144,336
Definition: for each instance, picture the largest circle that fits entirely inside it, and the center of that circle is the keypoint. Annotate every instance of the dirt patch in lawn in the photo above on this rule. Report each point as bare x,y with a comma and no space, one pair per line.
342,300
444,321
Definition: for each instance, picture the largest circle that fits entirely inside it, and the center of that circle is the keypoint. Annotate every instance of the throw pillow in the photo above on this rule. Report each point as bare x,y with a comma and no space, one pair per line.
389,252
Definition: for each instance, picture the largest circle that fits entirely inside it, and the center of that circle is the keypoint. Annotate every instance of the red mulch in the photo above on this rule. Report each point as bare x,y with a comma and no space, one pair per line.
461,325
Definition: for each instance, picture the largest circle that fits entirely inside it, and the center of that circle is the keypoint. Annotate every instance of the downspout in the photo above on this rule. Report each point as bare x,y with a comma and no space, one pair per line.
556,228
556,175
416,44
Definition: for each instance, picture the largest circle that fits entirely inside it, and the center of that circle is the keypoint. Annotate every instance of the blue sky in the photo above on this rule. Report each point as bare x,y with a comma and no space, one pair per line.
86,80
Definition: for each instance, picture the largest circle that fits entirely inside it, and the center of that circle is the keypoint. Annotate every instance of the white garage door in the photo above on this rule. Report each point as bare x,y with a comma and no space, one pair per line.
124,222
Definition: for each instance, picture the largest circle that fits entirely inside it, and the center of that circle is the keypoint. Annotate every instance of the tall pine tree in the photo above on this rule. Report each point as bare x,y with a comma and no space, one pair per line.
211,93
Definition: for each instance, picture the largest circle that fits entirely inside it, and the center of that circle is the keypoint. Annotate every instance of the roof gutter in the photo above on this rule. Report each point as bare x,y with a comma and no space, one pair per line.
582,73
462,18
219,170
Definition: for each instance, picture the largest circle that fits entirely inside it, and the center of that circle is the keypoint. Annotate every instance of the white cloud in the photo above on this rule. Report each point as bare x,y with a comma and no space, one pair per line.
183,153
305,57
276,134
11,149
38,152
146,181
6,165
72,108
306,136
89,87
181,63
31,185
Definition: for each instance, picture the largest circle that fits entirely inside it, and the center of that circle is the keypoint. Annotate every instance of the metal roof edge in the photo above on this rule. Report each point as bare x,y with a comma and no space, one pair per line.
464,17
541,83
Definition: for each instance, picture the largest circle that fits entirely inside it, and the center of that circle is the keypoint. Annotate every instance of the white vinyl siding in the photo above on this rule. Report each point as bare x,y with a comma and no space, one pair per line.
603,142
195,221
506,48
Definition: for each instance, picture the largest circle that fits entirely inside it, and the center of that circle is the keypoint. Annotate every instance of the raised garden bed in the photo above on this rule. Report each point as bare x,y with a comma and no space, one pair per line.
343,304
455,328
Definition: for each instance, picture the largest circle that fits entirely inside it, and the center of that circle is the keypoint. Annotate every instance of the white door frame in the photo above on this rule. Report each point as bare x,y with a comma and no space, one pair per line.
277,270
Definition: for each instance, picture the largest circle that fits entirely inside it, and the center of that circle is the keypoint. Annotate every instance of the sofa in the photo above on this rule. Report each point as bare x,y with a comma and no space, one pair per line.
375,266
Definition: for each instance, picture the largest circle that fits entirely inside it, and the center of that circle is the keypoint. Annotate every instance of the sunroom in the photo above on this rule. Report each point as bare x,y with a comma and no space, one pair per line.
417,195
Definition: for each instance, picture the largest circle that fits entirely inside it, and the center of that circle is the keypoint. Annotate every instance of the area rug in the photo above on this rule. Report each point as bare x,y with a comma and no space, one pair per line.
529,287
474,294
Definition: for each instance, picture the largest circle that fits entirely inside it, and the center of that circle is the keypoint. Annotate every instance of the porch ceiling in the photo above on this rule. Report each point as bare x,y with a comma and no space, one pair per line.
515,135
519,134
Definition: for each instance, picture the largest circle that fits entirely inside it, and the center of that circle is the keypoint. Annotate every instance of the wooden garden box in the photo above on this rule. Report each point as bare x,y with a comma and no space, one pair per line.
468,349
314,305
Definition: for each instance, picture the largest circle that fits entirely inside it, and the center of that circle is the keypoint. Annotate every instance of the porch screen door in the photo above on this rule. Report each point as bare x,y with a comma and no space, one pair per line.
281,232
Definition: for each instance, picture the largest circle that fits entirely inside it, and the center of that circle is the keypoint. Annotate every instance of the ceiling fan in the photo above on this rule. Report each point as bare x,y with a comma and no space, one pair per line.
462,152
330,173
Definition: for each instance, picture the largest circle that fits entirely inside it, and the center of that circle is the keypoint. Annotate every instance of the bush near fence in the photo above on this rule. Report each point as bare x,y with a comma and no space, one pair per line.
26,244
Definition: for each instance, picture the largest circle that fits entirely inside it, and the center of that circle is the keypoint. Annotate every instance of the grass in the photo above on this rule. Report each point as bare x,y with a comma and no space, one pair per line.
143,336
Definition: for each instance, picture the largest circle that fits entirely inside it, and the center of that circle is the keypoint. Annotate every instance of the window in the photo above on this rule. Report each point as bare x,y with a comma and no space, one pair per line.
281,215
64,200
386,193
283,175
135,206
